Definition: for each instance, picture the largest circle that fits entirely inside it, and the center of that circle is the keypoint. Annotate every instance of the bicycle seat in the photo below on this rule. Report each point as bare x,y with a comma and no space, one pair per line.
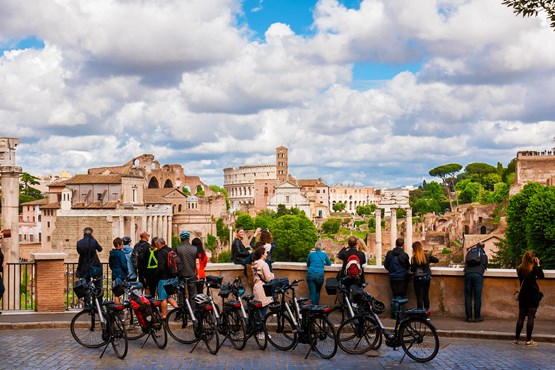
304,301
224,293
401,300
248,297
314,308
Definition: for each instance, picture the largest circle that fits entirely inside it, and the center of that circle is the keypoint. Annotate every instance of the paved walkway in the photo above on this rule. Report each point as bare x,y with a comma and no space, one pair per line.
47,344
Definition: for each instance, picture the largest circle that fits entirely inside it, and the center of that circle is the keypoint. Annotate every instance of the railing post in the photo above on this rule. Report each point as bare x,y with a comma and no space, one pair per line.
50,281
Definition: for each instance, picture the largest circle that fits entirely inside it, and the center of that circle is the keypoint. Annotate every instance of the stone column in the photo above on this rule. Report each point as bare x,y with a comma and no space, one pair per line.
50,281
393,227
408,237
143,224
169,230
378,214
10,225
133,231
121,231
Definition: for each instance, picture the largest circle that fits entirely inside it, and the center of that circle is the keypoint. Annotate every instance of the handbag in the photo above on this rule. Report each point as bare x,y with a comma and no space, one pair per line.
95,271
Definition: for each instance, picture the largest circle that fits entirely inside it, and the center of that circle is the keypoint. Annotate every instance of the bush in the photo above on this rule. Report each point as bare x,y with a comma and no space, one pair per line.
446,251
330,227
224,257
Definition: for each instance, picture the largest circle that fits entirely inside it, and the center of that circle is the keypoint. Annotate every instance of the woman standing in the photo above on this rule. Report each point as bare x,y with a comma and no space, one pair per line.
202,261
315,275
530,296
420,266
118,263
261,275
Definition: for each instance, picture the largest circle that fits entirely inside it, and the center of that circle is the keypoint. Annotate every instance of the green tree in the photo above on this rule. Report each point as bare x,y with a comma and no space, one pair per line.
480,169
469,191
185,190
490,180
366,210
222,231
245,221
295,236
330,226
27,179
219,190
338,207
446,172
199,191
211,243
531,8
540,225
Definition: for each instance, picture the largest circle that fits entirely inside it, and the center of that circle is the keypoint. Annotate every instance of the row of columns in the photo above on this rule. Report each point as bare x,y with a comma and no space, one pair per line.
393,228
157,225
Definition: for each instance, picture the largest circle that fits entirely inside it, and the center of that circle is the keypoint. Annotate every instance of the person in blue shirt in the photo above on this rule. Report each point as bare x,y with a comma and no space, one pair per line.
128,250
118,263
316,261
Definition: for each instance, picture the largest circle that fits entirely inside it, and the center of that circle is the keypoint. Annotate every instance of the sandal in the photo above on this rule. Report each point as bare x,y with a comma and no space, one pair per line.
531,343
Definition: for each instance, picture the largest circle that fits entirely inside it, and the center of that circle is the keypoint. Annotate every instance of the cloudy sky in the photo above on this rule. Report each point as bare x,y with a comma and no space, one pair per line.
368,92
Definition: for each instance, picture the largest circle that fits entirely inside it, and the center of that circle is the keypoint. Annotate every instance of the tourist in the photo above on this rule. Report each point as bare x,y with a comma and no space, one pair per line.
397,263
139,257
264,236
315,275
361,246
188,254
261,275
474,282
164,276
239,253
344,255
529,296
87,249
151,270
201,262
118,264
128,251
420,267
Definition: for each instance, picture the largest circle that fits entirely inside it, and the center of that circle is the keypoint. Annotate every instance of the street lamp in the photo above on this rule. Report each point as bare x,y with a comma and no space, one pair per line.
231,222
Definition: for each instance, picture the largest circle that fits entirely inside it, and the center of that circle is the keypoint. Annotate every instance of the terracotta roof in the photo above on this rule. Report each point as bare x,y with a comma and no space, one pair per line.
94,179
59,183
155,199
310,182
161,192
37,202
51,206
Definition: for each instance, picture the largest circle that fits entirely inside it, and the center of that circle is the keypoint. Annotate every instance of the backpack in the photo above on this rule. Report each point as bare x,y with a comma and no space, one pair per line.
143,311
135,257
174,263
352,267
152,261
474,257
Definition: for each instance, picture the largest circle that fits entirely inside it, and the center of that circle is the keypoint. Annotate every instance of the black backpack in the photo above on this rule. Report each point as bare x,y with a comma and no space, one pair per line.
474,257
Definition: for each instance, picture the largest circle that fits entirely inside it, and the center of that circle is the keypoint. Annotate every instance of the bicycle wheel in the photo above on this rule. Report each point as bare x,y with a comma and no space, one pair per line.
86,329
336,316
358,335
280,331
132,327
322,336
118,337
210,333
419,339
180,326
236,329
159,333
258,331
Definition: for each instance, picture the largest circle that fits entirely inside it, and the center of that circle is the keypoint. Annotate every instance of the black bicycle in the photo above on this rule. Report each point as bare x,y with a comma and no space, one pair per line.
232,320
132,326
343,307
413,331
190,325
98,324
290,322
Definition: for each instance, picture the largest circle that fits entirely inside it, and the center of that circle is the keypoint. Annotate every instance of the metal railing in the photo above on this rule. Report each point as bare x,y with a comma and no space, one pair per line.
20,283
71,301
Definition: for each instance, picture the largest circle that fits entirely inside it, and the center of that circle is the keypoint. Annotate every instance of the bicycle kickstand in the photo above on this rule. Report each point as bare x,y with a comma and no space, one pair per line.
148,336
105,347
196,344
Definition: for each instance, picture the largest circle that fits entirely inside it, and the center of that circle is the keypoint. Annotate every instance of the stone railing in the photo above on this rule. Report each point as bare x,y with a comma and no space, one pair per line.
446,291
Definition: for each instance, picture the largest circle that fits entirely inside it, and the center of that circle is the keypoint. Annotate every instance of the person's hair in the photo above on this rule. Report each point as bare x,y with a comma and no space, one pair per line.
198,243
399,242
418,255
318,246
527,263
161,241
117,241
144,235
153,241
265,236
259,244
239,229
361,245
87,230
258,253
352,242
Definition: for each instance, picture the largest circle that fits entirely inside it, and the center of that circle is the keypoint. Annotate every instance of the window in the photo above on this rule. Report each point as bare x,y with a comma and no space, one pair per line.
48,224
48,238
287,198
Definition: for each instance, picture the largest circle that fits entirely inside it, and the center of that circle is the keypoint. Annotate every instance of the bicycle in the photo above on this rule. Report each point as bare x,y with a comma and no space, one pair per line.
98,324
297,321
413,331
234,316
187,325
343,307
132,326
147,311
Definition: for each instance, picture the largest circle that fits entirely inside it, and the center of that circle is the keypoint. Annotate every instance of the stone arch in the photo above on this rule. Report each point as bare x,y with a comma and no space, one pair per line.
153,183
466,229
168,184
483,230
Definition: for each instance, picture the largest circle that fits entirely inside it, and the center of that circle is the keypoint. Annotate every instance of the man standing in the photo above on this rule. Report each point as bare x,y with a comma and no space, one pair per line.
128,251
476,263
139,257
397,262
344,255
188,255
164,276
87,248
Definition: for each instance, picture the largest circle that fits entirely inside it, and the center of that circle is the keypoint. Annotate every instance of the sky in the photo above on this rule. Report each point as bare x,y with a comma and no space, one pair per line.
361,92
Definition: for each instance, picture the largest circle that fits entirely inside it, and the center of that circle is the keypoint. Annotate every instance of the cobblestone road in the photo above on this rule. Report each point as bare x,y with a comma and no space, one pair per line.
56,349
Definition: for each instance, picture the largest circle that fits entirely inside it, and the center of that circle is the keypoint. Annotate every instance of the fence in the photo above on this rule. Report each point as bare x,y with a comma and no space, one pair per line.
71,301
20,283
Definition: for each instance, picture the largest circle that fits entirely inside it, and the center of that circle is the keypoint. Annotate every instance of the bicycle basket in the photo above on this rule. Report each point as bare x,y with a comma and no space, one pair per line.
357,294
118,287
214,280
80,288
274,307
273,285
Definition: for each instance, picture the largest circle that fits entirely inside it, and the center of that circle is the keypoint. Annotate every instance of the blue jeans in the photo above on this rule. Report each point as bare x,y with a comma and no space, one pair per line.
315,282
473,283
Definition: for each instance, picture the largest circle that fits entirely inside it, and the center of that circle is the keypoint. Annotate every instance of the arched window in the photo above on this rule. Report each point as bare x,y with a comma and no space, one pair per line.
168,184
153,183
483,230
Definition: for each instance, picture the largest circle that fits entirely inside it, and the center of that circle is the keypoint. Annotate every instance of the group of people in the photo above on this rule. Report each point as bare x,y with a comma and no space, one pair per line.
146,262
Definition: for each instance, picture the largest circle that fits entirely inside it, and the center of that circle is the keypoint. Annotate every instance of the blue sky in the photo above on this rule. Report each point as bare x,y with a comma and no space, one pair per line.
365,92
